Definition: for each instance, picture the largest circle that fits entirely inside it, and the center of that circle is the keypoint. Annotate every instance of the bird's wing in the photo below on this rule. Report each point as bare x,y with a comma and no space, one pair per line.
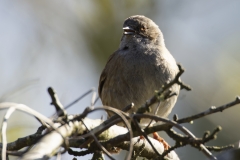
103,76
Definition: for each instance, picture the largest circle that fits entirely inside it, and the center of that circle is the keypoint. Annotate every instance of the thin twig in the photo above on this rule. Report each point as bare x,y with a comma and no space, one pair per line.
30,111
217,148
135,121
60,111
213,135
178,126
81,153
93,98
97,142
78,99
210,111
160,96
4,129
120,114
109,122
96,100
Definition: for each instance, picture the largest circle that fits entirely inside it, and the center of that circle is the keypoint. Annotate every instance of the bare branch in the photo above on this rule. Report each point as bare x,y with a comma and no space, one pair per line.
212,110
4,129
98,136
160,95
56,102
78,99
97,142
178,126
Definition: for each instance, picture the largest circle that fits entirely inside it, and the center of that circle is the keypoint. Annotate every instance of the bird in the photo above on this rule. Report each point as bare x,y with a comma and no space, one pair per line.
141,65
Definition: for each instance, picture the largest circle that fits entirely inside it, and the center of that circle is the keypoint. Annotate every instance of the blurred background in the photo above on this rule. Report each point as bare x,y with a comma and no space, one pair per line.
66,45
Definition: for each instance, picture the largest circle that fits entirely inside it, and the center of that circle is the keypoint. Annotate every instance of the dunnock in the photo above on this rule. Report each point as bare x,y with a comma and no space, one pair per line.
141,65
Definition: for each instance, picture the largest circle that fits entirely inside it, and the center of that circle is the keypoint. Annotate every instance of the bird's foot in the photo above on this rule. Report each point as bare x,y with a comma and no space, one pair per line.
160,139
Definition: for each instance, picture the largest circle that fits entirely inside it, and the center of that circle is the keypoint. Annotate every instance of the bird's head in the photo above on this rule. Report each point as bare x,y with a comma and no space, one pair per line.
142,27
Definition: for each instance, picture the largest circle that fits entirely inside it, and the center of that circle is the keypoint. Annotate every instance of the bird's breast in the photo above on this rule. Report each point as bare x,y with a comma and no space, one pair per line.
134,79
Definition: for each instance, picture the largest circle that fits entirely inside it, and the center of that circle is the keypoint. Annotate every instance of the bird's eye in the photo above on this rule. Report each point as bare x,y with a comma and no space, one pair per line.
142,29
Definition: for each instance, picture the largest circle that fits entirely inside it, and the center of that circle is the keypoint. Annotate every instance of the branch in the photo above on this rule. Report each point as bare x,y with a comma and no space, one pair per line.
4,129
160,95
56,102
212,110
97,136
191,137
45,146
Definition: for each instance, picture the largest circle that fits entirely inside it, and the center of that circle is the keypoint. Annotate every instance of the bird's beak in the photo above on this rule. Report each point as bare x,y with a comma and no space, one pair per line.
128,30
